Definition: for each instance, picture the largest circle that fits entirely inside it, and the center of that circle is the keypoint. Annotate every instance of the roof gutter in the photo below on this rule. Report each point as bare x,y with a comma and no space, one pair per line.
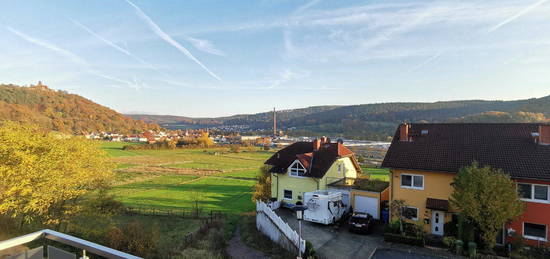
453,172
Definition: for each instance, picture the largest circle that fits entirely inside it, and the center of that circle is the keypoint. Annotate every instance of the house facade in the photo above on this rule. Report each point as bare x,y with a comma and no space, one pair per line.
308,166
424,159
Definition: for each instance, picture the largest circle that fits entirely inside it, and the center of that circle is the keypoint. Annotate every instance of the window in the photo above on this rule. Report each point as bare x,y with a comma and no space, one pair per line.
296,169
533,192
541,192
340,168
410,213
524,190
534,231
288,195
412,181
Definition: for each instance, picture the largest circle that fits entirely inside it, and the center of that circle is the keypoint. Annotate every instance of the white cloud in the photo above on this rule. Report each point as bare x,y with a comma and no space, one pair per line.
157,30
305,6
286,76
204,45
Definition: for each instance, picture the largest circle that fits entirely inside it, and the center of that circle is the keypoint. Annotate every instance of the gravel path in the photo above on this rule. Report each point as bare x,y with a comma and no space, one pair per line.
237,249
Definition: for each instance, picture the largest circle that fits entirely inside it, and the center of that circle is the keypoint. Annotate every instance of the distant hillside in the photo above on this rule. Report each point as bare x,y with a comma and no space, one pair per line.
378,121
61,111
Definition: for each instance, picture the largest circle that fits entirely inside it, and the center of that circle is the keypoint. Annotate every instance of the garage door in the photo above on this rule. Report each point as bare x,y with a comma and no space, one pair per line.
366,204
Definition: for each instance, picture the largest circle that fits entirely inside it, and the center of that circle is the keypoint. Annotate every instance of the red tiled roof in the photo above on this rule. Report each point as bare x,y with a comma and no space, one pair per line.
318,162
305,159
448,147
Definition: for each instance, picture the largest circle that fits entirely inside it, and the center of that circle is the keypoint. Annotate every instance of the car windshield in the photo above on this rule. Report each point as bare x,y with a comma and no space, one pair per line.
360,219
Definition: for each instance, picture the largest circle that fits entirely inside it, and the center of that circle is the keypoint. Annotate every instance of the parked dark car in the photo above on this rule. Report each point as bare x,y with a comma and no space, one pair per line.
360,222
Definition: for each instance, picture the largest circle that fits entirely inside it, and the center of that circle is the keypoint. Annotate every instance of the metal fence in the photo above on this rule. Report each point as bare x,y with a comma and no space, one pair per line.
182,213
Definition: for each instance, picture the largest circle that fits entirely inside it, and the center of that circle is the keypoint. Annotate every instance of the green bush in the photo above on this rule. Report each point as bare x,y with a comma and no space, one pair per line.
409,240
449,242
413,230
392,227
310,251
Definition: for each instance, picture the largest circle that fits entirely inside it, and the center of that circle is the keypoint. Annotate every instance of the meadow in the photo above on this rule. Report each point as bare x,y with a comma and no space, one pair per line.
179,179
176,181
214,178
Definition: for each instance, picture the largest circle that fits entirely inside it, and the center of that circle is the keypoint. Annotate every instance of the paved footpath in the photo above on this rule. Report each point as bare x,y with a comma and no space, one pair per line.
237,249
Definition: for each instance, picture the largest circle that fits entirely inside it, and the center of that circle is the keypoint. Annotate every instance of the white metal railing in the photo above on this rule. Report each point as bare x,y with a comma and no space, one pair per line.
66,239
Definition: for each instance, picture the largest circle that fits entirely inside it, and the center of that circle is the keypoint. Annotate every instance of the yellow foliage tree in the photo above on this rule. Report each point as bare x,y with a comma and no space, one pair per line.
45,175
204,140
262,191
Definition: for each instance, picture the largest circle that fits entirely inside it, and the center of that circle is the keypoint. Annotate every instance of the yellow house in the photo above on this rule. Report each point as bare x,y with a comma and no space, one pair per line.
424,159
425,192
308,166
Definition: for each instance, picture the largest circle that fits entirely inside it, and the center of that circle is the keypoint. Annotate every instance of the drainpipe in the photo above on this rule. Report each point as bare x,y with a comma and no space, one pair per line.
391,195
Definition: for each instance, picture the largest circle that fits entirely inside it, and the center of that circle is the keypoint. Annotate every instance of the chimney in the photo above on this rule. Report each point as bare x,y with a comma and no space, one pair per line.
316,144
404,132
544,134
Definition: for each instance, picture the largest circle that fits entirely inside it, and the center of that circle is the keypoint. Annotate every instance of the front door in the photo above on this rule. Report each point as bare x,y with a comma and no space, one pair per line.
438,221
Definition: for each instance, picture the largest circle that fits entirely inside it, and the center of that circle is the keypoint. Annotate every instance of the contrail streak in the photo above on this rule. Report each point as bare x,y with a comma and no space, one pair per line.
112,44
73,57
519,14
430,59
157,30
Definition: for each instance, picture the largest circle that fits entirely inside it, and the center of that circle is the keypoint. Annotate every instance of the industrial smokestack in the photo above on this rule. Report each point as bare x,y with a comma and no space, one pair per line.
274,122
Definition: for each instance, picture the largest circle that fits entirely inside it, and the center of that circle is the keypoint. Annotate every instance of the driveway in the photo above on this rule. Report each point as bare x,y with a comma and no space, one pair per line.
337,242
332,241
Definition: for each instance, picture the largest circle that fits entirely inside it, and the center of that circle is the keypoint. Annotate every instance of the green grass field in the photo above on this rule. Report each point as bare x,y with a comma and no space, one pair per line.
377,173
114,149
174,179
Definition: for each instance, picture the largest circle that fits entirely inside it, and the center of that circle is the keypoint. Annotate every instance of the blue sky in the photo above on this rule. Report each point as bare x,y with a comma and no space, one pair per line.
214,58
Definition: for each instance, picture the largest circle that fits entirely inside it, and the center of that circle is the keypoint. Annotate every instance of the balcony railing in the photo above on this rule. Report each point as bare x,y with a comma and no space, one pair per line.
86,246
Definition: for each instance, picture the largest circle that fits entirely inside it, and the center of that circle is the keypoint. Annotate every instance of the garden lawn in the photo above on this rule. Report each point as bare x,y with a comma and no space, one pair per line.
377,173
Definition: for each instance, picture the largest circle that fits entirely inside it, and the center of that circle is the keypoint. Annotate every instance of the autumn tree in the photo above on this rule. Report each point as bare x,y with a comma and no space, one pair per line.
487,198
204,140
262,191
45,175
399,212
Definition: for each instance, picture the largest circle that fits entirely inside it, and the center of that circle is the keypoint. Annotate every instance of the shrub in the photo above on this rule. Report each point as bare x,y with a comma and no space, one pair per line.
449,242
310,251
451,228
134,238
413,230
409,240
392,227
216,239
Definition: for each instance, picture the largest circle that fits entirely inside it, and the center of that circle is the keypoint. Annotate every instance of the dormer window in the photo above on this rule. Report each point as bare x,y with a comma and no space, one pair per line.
297,169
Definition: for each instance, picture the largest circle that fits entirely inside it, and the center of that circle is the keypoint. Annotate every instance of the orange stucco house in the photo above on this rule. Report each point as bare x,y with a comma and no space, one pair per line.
424,159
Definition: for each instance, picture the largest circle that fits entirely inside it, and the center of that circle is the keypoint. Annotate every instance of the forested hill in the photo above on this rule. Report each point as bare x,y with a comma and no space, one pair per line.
61,111
378,121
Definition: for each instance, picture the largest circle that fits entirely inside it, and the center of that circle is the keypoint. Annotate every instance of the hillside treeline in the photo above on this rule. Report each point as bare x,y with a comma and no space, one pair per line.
378,121
64,112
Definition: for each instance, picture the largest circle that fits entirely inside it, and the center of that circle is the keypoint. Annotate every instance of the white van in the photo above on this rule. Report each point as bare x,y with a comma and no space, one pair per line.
324,207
